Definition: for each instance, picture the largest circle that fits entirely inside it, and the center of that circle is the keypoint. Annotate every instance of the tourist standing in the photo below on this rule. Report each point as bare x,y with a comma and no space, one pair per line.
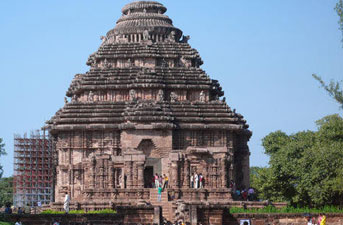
153,182
320,218
251,193
201,180
196,180
192,181
159,193
166,180
323,220
160,180
66,203
8,209
156,181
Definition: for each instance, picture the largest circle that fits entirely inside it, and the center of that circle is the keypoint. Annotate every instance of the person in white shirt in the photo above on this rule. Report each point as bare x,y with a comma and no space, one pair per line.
196,180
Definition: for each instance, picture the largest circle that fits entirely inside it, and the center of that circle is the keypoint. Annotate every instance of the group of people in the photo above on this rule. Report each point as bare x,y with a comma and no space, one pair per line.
160,181
245,194
321,220
197,180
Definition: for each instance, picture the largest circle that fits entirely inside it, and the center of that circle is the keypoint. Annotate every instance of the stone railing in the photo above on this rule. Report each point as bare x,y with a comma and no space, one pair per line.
212,195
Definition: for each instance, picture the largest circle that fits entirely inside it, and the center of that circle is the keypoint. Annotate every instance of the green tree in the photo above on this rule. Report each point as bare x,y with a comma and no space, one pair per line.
339,10
334,88
305,168
6,190
2,152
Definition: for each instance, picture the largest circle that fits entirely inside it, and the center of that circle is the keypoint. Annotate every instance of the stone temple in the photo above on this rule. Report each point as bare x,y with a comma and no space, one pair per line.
144,107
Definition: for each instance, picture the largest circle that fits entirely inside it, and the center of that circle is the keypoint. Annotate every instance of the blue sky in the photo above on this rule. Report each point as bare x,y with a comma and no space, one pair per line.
262,52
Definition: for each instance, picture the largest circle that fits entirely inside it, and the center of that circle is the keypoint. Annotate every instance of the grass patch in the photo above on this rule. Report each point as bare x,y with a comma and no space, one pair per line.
104,211
5,223
271,209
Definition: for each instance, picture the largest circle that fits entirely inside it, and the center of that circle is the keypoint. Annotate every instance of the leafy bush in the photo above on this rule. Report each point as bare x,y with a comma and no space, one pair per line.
49,211
5,223
289,209
104,211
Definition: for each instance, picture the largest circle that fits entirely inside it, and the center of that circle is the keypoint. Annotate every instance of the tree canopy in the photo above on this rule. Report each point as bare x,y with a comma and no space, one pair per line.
334,88
339,10
6,191
2,152
306,168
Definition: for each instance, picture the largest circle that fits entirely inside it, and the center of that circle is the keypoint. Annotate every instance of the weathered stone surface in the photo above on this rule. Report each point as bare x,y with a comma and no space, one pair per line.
145,107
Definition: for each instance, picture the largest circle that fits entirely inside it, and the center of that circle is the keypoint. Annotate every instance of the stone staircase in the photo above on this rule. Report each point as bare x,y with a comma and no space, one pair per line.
167,211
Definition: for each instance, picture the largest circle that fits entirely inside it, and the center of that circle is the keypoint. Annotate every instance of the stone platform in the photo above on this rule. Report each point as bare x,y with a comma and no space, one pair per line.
145,216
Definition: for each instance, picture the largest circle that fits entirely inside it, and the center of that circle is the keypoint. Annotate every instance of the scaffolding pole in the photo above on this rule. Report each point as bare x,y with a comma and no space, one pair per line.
33,169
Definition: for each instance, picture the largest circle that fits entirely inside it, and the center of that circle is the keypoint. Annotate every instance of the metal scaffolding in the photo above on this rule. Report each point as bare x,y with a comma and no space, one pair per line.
33,169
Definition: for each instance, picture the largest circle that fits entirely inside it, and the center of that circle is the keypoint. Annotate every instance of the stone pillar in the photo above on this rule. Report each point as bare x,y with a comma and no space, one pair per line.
92,174
128,174
186,181
140,180
157,215
174,174
246,168
223,173
111,177
194,215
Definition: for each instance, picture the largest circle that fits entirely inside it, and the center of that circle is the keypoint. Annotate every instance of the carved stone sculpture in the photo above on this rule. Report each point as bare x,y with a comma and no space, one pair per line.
180,213
146,35
160,95
74,98
132,95
202,96
103,39
171,36
173,97
90,96
185,39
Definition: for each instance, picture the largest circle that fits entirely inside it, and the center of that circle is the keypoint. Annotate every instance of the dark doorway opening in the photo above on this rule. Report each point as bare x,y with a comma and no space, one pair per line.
148,176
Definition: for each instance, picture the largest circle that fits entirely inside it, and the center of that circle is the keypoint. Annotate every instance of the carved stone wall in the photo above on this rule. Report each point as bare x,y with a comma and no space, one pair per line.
145,106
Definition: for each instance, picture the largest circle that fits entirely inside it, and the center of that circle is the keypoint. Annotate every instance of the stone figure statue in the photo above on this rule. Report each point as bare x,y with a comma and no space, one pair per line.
103,39
180,213
173,97
146,35
202,97
171,37
132,95
185,39
107,64
183,61
90,96
160,95
65,100
121,39
66,203
74,98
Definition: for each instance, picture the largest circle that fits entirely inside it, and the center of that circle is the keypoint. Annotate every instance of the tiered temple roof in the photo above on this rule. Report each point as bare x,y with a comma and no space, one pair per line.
147,55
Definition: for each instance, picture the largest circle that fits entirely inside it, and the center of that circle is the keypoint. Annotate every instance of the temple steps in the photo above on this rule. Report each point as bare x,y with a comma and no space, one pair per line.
167,211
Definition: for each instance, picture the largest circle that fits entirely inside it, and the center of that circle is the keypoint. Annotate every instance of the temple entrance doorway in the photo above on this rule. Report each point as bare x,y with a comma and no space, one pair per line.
152,166
148,176
152,163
